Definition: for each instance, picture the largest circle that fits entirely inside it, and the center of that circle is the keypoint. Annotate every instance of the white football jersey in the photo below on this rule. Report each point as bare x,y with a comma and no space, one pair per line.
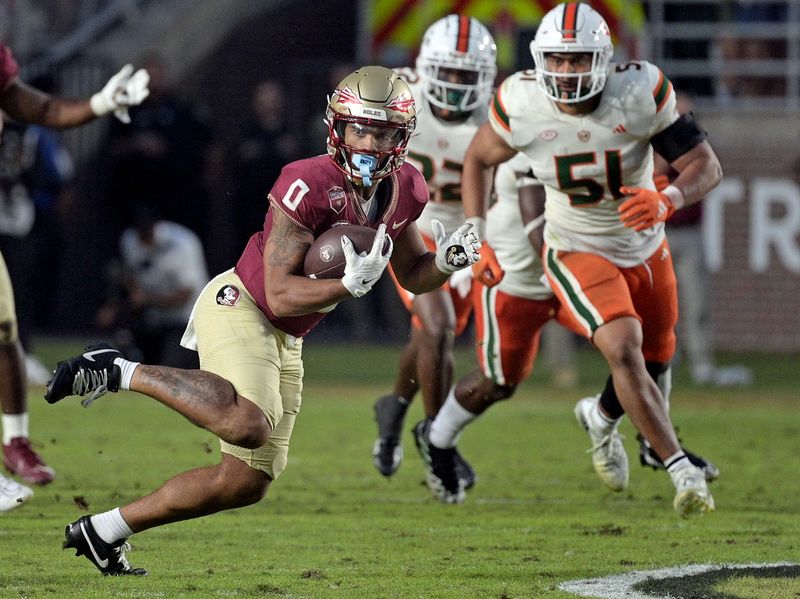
583,160
506,235
437,150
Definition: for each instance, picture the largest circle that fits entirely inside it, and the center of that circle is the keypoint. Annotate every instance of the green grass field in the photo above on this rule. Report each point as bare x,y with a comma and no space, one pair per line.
332,527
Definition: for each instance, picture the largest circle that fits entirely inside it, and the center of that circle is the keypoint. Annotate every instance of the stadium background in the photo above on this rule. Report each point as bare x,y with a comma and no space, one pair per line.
217,50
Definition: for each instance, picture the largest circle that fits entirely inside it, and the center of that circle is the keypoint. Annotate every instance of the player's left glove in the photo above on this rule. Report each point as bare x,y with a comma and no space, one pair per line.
457,250
488,270
645,207
124,89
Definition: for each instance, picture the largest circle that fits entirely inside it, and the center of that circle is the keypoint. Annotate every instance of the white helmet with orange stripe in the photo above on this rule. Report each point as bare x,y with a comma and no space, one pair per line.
572,27
458,63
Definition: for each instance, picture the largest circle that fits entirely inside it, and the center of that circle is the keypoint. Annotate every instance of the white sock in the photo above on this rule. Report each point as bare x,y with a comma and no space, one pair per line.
449,422
14,425
599,421
127,367
111,526
676,461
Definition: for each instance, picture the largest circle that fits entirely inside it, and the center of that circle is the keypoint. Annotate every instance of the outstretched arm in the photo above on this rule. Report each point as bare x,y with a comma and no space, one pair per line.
421,271
30,105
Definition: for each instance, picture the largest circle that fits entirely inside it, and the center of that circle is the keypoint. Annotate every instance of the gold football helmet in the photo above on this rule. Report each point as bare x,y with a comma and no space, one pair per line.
374,100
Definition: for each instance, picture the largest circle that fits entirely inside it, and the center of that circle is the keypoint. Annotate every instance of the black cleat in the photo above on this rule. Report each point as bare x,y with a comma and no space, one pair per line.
465,472
440,466
648,457
387,453
109,558
93,373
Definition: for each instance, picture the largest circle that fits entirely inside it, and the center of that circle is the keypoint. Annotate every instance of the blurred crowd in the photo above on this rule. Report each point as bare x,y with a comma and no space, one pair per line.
176,169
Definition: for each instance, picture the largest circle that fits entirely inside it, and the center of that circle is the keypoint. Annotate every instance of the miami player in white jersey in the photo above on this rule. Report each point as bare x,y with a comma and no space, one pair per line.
453,82
589,128
509,316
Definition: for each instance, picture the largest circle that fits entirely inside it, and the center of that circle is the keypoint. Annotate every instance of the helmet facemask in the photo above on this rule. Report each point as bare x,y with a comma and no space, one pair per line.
366,166
586,83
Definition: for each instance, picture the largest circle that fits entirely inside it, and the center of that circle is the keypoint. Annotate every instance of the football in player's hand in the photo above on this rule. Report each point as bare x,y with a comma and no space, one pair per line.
325,257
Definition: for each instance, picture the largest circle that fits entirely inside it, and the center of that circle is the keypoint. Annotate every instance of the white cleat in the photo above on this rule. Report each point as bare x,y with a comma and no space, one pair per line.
608,454
12,494
692,498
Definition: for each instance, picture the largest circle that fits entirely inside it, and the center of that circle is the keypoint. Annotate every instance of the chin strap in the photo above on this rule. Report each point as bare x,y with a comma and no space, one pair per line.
366,166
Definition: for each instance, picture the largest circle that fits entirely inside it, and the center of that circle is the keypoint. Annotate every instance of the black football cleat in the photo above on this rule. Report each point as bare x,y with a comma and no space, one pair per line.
387,452
109,558
648,457
92,373
465,472
440,466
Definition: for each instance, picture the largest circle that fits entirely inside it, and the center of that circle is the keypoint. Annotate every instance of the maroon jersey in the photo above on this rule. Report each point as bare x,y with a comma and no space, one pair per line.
9,69
316,196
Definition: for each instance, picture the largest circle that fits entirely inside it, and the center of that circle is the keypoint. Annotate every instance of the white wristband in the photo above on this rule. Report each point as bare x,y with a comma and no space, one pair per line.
534,224
99,104
675,196
478,226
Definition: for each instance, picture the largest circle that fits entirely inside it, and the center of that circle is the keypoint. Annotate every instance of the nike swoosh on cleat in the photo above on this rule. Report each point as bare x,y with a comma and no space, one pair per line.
103,563
397,225
88,355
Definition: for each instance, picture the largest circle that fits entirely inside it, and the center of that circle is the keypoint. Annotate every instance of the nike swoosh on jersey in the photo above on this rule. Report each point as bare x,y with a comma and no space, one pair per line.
88,355
103,563
396,225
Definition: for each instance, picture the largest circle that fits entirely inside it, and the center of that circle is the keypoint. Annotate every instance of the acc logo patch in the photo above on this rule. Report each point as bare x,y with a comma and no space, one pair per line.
336,198
228,295
584,135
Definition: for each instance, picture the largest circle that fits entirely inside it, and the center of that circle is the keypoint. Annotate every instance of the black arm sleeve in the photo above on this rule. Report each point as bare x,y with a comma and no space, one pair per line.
677,139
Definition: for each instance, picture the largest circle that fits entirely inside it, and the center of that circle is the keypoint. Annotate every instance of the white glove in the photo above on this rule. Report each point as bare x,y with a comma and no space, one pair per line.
457,250
363,270
124,89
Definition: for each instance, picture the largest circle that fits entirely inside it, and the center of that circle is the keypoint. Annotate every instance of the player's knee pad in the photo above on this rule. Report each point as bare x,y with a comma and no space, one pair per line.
8,332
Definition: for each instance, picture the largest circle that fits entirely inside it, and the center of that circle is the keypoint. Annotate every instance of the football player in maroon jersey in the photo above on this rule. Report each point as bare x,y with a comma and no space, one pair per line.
249,322
30,105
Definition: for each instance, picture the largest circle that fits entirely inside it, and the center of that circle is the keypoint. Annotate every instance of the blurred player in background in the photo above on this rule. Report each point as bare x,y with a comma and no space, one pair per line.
509,318
589,129
27,104
453,82
249,322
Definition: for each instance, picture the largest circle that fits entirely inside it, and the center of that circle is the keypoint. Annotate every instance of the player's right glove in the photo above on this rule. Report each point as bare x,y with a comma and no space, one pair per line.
488,270
645,208
457,250
124,89
363,270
